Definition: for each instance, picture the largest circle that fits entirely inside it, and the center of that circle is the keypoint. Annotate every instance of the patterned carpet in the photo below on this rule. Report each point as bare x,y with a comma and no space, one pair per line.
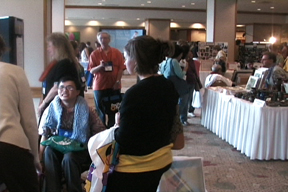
225,168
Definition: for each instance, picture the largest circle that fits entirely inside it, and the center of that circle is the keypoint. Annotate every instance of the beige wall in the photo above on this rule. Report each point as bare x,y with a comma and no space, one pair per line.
198,35
265,31
158,28
259,32
195,34
31,11
86,33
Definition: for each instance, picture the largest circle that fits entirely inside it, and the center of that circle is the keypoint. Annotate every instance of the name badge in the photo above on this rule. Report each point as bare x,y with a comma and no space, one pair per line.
109,66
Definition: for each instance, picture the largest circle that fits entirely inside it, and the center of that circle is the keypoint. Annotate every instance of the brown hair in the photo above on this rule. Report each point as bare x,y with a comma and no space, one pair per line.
148,52
270,55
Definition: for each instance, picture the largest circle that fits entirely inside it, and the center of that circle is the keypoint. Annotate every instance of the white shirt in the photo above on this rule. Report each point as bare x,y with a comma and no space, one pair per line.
210,79
84,57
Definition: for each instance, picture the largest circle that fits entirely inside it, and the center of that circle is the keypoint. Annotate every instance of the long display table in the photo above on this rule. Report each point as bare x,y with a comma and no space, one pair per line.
258,132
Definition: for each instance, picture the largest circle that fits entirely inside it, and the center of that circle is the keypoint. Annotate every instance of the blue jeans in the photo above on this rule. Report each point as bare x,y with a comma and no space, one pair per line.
89,78
98,97
183,107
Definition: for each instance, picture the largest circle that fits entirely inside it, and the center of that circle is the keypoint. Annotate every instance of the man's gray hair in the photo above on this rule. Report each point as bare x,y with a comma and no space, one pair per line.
102,32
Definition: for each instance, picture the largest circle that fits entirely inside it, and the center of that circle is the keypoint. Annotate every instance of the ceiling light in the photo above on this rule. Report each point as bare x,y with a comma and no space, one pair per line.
99,3
121,23
148,1
192,3
258,9
67,22
240,25
93,23
142,4
253,1
138,18
271,7
174,25
183,6
198,26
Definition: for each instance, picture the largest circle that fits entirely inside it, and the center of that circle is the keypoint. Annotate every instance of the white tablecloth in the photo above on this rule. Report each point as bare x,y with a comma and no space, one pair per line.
258,132
204,74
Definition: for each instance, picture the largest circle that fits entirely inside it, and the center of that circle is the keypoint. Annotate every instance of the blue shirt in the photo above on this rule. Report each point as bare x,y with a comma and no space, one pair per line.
168,69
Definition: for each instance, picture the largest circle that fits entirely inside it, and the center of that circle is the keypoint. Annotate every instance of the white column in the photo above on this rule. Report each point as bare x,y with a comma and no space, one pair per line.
221,23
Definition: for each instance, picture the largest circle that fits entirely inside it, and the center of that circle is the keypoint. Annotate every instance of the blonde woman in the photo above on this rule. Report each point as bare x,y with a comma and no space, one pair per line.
63,63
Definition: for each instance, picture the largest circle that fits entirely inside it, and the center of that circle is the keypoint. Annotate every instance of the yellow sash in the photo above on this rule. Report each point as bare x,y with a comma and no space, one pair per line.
154,161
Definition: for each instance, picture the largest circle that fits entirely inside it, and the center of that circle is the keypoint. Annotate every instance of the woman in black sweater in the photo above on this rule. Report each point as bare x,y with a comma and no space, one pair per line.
148,116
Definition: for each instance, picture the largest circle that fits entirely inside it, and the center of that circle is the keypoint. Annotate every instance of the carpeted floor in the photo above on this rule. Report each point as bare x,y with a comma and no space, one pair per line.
225,169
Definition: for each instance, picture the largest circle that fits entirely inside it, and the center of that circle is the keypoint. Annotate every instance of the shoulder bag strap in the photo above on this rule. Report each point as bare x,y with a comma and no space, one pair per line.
172,68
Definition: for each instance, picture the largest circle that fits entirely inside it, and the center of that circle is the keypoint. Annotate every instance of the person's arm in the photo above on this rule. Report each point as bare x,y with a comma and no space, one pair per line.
121,68
179,142
118,80
95,122
94,65
279,73
177,69
99,68
177,135
41,133
227,81
210,79
42,148
87,53
50,96
27,114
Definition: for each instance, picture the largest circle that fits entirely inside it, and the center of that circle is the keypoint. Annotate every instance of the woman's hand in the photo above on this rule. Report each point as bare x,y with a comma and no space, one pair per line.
116,85
39,168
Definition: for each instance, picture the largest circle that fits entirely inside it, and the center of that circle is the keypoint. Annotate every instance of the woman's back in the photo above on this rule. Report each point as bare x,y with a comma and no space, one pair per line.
147,112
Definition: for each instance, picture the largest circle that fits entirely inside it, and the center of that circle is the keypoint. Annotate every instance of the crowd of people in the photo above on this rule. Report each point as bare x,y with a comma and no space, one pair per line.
64,112
149,123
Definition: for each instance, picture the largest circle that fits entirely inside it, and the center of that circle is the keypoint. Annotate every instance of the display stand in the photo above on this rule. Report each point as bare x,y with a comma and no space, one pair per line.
251,51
